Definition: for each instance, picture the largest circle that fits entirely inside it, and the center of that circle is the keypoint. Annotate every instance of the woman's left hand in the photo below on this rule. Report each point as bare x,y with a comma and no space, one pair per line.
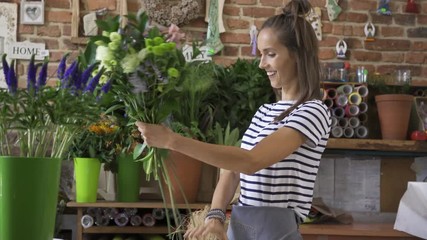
155,135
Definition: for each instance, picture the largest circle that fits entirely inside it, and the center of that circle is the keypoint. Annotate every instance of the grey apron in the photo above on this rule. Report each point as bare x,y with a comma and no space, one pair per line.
263,223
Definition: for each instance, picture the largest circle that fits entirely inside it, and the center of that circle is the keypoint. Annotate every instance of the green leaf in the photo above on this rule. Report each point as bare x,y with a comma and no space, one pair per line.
139,148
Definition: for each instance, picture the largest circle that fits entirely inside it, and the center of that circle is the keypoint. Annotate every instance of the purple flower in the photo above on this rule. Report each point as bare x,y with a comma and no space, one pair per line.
107,86
12,81
62,65
32,71
41,81
94,82
5,68
68,75
86,74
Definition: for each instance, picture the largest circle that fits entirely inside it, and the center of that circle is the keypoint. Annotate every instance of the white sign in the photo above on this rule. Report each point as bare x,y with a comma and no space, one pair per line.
24,50
187,50
8,29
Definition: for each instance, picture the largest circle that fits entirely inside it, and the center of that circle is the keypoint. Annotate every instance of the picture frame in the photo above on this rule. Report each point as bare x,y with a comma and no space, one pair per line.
8,30
32,12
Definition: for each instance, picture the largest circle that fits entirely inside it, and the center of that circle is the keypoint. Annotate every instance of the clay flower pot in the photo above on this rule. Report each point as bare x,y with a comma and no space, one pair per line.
394,111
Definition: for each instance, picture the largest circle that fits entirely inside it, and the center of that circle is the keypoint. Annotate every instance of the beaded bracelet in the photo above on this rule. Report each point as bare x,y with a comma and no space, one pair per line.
217,214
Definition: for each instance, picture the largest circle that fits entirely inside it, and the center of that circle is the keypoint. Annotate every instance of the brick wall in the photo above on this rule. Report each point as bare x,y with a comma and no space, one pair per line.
401,39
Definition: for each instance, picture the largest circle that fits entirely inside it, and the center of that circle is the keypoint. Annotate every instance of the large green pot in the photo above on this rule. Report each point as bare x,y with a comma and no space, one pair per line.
128,178
28,197
86,174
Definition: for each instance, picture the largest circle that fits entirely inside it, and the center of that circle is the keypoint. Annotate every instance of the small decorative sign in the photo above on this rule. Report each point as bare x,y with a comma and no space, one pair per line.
24,50
369,32
8,29
187,50
341,48
32,12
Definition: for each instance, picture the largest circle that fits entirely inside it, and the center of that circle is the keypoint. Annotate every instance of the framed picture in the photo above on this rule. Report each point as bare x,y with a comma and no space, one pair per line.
32,12
8,29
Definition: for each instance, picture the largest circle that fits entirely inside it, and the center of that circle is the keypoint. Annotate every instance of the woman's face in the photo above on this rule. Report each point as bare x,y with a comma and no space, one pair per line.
276,60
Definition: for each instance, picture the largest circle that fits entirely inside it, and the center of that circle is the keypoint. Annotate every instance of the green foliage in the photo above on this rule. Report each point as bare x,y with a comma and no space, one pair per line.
241,88
227,136
42,124
98,140
384,84
193,118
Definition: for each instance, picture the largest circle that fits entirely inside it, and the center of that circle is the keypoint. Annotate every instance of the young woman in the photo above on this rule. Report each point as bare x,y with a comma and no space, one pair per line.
278,161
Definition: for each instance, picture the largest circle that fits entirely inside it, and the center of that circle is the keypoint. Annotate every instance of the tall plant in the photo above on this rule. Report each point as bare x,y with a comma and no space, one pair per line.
41,120
244,85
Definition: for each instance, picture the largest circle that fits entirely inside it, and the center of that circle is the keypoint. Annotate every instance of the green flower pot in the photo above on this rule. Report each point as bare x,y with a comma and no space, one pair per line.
86,174
28,197
128,178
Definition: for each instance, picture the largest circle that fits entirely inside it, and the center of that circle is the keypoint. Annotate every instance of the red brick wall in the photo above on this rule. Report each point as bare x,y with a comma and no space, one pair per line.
401,39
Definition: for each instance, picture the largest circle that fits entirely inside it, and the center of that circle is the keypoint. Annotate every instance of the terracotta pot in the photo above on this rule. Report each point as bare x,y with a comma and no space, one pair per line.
184,172
394,111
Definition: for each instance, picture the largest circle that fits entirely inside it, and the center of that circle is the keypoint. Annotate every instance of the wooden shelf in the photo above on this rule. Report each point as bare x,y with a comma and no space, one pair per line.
393,146
354,230
126,230
79,40
110,204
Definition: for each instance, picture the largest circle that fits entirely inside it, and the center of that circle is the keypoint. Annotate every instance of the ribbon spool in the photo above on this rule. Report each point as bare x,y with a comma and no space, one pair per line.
419,93
343,122
332,93
345,89
354,98
341,100
361,132
353,122
351,110
348,132
362,90
338,112
329,102
363,107
334,121
337,132
363,117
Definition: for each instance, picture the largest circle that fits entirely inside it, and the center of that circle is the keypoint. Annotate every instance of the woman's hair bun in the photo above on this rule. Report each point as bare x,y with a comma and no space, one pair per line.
297,8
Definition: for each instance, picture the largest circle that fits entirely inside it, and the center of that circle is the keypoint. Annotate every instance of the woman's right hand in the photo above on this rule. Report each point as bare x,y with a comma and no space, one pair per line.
211,226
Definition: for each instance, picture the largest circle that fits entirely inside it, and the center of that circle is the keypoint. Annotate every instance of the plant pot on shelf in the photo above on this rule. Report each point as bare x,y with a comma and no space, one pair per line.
394,112
28,197
184,174
86,174
128,178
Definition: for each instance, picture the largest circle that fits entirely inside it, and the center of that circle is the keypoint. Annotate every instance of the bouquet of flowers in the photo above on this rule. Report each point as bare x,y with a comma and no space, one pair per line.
41,120
149,72
151,77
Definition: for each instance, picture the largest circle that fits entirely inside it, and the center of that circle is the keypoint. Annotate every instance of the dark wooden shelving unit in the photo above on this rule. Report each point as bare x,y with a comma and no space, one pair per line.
377,147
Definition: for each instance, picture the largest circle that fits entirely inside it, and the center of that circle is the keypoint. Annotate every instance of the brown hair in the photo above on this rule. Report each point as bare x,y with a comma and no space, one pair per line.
298,36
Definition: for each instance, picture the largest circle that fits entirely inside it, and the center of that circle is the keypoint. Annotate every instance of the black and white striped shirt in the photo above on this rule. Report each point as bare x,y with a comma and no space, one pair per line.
288,183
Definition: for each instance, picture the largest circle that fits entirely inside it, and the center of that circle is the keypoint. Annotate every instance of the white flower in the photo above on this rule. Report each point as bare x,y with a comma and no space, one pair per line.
103,53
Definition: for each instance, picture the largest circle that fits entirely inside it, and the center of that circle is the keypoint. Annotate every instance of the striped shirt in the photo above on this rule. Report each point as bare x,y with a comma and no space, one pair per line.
288,183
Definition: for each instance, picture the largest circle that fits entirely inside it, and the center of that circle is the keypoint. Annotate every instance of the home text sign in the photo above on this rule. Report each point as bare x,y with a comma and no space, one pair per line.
187,50
24,50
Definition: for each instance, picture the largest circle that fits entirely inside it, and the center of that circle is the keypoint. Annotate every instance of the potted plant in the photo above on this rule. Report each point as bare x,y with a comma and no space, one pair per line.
393,103
94,145
37,125
245,85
